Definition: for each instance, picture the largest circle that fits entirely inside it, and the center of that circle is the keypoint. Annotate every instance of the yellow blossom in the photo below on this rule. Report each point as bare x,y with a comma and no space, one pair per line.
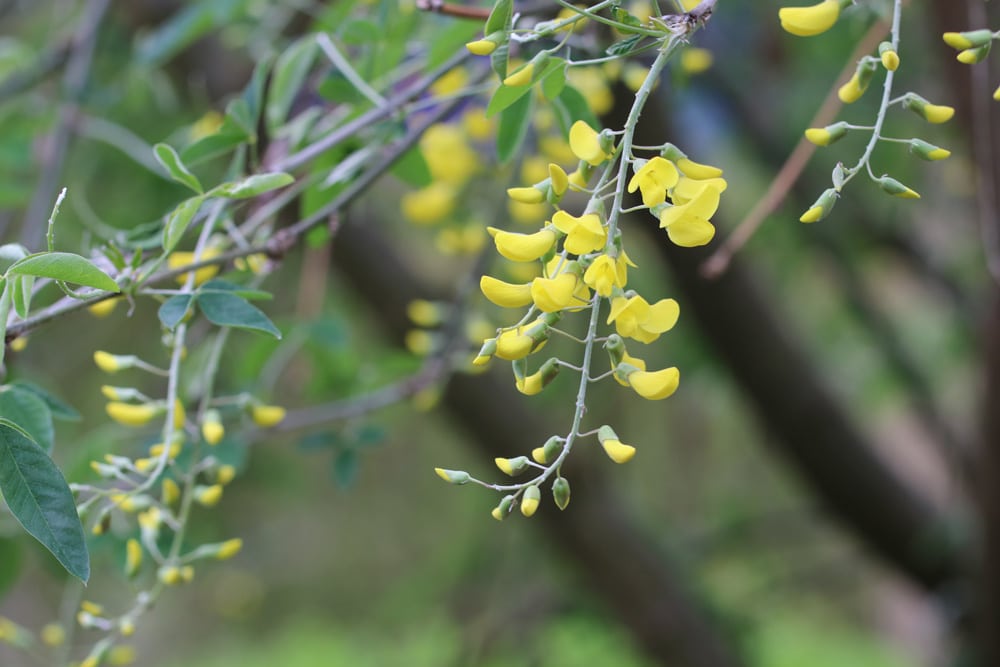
687,224
229,548
102,308
585,143
521,77
522,247
171,493
593,85
208,496
696,170
503,294
528,195
225,474
132,415
179,259
809,21
583,234
554,294
428,205
559,180
653,179
618,451
112,363
267,416
604,274
449,157
696,60
635,318
481,47
514,344
133,557
655,385
529,501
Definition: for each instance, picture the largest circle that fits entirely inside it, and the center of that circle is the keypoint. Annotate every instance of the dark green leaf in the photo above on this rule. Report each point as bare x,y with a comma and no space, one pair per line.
173,310
171,161
624,46
500,18
229,310
513,128
412,169
40,499
554,80
576,107
66,267
21,286
178,221
252,186
238,111
504,97
229,136
345,468
499,60
220,285
290,71
28,411
60,409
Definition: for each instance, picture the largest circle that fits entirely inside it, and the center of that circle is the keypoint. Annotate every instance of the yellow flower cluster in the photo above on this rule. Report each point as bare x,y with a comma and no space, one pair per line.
973,47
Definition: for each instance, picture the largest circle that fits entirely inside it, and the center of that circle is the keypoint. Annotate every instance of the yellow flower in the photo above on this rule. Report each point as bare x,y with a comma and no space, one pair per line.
514,344
896,189
655,385
888,56
208,496
928,151
968,40
529,195
809,21
171,493
505,295
559,180
687,224
635,318
529,501
932,113
428,205
132,415
695,60
102,308
696,170
521,77
856,86
604,274
593,85
451,82
229,548
170,575
225,474
481,47
585,143
133,557
583,235
112,363
267,416
449,157
554,294
180,259
512,467
522,247
653,179
452,476
621,373
824,136
617,451
822,207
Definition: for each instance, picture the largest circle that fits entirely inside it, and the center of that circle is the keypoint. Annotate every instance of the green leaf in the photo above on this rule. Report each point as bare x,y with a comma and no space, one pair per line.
59,408
171,161
554,80
504,97
499,60
624,46
513,128
290,70
229,310
229,136
345,468
252,186
500,18
178,221
21,286
449,39
575,107
11,558
66,267
412,169
40,499
29,412
173,310
219,285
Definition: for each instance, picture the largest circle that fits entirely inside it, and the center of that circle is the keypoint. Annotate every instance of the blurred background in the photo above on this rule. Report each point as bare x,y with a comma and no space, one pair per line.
816,493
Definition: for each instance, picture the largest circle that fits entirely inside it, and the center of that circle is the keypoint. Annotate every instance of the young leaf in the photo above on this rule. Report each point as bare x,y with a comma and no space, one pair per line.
59,408
412,169
30,413
500,18
229,310
171,161
252,185
21,286
63,266
39,498
178,221
513,128
575,107
290,71
504,97
220,285
172,310
554,80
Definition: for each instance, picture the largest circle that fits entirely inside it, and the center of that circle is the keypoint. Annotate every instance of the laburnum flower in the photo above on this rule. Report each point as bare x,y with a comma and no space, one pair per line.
448,154
428,205
896,189
530,385
504,294
653,180
655,385
585,143
635,318
696,170
688,188
559,180
627,365
809,21
616,450
583,235
554,294
856,86
604,274
522,247
932,113
514,344
529,502
131,414
521,77
687,224
581,294
177,260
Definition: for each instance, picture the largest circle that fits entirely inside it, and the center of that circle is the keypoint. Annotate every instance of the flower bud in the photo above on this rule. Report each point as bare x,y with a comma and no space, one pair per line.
932,113
212,429
534,383
560,492
486,45
486,352
974,55
824,136
928,151
112,363
453,476
512,467
130,414
501,511
548,452
267,416
889,57
529,501
857,85
896,189
822,207
208,496
133,557
968,40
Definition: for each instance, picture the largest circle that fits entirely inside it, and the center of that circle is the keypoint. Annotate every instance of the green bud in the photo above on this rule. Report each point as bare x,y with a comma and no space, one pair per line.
453,476
560,492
